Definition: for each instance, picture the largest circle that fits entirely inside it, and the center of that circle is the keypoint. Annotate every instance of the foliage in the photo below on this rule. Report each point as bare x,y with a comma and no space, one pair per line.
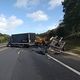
4,38
69,28
71,21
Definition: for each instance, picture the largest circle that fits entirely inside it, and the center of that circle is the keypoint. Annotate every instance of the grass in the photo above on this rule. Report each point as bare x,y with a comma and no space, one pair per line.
75,51
73,45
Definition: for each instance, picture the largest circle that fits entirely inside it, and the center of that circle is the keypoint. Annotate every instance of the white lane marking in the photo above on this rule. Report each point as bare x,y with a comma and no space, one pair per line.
19,52
68,67
3,49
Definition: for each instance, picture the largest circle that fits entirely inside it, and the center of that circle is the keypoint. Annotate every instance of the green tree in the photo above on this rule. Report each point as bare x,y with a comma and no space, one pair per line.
71,19
4,38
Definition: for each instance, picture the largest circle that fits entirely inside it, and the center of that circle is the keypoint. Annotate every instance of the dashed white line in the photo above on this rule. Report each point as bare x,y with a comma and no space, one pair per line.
68,67
19,52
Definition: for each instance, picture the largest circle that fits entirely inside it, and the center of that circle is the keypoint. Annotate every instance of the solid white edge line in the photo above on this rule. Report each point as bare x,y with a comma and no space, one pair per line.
68,67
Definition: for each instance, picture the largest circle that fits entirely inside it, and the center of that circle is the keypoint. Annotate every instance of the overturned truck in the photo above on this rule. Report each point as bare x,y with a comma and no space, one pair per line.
56,45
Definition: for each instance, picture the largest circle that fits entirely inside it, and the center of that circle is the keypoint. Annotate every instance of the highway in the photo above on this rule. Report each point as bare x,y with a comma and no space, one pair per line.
31,64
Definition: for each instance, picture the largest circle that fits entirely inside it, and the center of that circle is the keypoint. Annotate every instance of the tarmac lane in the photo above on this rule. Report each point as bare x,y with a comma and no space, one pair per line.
32,64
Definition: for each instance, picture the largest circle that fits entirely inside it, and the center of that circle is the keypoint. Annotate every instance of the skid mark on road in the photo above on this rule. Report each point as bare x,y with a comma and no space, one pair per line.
68,67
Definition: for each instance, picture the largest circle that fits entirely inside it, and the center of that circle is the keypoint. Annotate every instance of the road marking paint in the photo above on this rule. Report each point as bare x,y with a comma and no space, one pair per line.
68,67
3,49
19,52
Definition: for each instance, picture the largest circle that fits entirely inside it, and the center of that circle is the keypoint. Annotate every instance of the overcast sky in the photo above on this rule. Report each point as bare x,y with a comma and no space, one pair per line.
21,16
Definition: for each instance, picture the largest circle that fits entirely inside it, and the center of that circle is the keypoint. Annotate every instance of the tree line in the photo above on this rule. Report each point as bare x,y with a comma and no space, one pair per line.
70,25
4,38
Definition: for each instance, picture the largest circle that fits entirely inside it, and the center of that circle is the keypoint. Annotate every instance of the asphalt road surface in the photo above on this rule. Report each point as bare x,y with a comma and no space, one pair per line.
30,64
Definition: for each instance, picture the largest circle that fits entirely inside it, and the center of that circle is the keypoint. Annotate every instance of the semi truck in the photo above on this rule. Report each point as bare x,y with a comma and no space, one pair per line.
22,40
